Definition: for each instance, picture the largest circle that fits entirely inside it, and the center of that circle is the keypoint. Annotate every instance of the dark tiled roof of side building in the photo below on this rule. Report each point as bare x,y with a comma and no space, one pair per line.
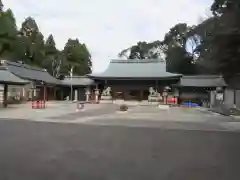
6,77
30,73
135,69
202,81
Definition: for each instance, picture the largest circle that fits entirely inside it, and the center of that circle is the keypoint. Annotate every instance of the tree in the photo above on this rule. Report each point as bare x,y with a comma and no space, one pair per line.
33,41
226,42
220,7
172,49
29,26
178,59
204,33
1,6
143,50
27,45
52,58
8,33
76,57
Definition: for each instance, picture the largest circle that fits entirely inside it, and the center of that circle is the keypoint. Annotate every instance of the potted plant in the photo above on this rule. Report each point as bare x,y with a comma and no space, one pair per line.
123,107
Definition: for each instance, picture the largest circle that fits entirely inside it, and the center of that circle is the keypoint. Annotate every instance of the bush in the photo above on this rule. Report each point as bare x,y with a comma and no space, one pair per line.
123,107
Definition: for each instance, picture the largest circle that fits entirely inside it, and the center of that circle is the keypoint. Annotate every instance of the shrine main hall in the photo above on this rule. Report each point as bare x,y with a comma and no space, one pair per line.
135,79
144,79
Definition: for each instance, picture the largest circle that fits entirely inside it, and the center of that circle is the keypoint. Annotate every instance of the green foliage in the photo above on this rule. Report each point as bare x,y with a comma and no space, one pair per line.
171,49
1,6
226,40
51,60
178,60
214,43
8,33
28,45
76,56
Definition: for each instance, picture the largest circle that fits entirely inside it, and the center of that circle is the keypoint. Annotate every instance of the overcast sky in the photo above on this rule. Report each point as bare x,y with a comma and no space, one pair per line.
107,26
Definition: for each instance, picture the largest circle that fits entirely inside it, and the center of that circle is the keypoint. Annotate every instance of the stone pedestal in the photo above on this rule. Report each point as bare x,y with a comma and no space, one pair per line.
106,97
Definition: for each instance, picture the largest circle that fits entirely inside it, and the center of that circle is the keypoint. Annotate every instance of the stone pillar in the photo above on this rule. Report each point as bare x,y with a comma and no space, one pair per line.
23,92
96,95
34,92
87,93
76,95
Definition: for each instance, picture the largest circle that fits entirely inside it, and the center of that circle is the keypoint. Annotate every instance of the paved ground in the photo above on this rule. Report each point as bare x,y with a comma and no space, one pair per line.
103,144
49,151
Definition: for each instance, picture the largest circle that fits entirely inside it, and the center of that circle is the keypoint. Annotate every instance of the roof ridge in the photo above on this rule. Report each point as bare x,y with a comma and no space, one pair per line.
202,76
76,76
137,61
26,66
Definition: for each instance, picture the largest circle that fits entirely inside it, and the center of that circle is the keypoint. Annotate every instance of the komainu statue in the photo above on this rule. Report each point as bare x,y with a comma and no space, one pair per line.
154,96
106,94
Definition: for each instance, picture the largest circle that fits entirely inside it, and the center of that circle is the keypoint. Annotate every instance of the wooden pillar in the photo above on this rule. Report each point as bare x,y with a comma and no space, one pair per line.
55,93
124,95
156,88
5,96
141,95
47,93
113,95
62,94
44,92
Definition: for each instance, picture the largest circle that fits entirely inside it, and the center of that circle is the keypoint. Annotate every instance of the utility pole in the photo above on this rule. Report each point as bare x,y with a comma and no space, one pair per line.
71,74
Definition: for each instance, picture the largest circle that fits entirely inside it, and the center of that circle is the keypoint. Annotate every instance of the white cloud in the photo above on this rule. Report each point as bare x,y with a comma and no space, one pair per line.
108,26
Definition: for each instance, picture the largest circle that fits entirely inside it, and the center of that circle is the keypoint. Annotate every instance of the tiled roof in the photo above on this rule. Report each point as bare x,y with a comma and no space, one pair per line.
6,77
78,81
30,73
202,81
134,68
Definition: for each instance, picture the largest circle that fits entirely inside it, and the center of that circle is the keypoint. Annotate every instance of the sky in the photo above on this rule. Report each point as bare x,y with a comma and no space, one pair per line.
108,26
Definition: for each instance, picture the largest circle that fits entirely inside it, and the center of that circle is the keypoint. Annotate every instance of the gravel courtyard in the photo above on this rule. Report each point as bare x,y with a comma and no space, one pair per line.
109,114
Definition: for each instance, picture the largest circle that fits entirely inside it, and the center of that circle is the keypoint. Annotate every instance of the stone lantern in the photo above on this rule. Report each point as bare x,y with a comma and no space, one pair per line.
165,93
219,93
96,95
87,93
176,95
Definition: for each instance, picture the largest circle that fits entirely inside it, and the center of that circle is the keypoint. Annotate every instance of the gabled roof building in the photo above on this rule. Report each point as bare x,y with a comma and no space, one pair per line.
135,69
30,73
131,79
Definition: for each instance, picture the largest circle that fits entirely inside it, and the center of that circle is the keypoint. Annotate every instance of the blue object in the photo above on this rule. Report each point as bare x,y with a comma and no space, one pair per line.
190,104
